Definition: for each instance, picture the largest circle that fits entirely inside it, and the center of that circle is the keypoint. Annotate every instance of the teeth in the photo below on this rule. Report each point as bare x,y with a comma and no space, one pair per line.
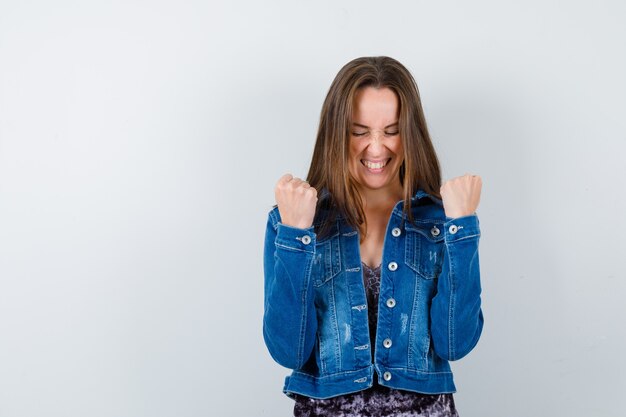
374,165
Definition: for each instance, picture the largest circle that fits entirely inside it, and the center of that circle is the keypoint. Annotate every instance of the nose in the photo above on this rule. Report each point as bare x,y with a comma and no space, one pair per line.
376,141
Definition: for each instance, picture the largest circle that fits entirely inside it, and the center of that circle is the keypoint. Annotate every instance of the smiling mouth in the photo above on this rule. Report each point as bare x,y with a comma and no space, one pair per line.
375,165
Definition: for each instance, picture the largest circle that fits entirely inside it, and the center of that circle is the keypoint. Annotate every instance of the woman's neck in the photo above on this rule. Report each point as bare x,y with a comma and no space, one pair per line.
377,200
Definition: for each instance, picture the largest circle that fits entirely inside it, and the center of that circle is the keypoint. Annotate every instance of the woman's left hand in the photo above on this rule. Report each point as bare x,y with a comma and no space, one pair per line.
461,195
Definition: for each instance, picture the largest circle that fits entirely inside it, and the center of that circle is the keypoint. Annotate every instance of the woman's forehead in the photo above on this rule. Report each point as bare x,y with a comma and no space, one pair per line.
375,107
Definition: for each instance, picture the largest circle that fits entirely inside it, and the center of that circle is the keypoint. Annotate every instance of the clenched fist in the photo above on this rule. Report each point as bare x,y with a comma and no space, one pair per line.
461,195
296,201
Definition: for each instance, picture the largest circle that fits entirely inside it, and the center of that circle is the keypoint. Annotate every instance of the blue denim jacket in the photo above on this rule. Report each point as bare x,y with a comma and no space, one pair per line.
429,311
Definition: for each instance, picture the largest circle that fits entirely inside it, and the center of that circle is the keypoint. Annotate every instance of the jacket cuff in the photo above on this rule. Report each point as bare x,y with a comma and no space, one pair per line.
463,227
295,238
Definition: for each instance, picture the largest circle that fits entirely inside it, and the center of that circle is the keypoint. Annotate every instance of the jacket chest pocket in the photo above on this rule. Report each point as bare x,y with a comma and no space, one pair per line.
327,260
424,249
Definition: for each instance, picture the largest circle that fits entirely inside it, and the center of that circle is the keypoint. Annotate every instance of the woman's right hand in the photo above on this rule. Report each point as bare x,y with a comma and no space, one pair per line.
296,201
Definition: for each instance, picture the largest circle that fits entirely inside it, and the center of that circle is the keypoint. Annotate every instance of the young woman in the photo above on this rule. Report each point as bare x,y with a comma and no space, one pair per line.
372,281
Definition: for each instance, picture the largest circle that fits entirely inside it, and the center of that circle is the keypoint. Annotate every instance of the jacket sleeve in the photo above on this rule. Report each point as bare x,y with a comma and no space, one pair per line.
456,314
289,319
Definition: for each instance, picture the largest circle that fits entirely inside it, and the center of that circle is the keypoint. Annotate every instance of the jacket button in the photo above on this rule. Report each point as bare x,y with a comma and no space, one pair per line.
453,229
392,266
306,239
387,376
391,303
396,232
387,343
434,231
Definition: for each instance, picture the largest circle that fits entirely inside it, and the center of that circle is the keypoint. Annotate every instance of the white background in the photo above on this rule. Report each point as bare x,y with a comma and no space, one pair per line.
140,143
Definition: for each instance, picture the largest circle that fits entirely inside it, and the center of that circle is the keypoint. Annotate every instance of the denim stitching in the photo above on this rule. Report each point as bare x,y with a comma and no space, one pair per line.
451,302
307,275
280,245
321,351
330,376
335,327
410,359
336,374
408,244
338,249
451,240
274,219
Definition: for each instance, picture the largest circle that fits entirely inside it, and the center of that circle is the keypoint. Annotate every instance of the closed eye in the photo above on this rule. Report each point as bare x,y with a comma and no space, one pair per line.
365,133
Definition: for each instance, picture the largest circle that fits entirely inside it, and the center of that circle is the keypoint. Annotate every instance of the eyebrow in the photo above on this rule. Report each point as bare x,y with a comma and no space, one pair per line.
367,127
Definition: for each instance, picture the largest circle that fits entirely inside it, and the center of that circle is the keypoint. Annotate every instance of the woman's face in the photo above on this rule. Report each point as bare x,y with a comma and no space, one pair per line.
376,151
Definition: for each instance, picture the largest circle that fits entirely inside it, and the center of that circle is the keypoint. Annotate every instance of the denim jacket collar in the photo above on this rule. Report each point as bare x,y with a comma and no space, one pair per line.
398,208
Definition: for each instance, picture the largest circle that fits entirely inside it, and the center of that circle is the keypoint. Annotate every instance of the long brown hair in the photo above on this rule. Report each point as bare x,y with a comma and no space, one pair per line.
329,164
